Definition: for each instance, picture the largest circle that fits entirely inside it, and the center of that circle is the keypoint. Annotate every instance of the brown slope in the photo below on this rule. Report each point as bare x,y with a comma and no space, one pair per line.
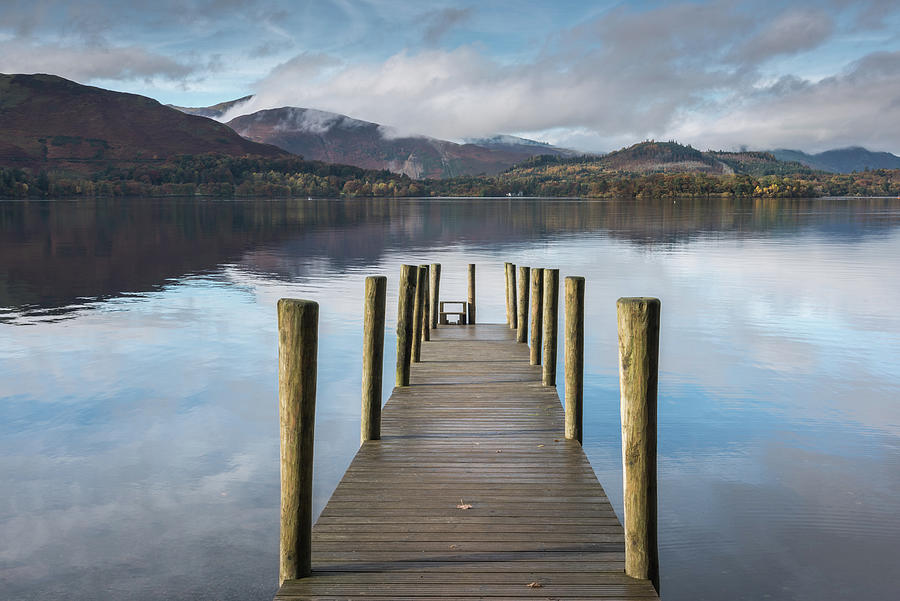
52,123
324,136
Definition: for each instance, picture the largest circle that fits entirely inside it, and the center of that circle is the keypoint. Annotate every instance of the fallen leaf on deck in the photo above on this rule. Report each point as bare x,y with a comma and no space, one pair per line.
535,585
452,546
540,445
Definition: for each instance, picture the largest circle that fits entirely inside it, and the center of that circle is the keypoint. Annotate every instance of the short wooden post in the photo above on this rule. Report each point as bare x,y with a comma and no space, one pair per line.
508,311
405,314
419,314
522,305
298,325
551,316
574,342
471,299
513,305
435,289
373,357
426,314
537,309
638,324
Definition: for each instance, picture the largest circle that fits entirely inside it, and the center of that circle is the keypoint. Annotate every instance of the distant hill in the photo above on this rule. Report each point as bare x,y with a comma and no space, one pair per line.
48,122
671,157
212,112
335,138
841,160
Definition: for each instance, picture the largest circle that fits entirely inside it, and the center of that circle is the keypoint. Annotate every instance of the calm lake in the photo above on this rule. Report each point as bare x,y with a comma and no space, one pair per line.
138,379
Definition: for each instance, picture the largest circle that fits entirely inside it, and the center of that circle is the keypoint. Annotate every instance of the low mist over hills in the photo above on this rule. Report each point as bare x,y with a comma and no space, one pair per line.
842,160
48,122
325,136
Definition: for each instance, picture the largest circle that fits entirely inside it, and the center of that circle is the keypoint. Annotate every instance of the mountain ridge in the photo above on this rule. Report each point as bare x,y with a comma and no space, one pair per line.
841,160
49,122
337,138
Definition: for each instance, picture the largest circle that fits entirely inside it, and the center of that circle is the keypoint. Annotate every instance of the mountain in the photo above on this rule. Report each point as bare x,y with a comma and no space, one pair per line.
335,138
671,157
841,160
212,112
52,123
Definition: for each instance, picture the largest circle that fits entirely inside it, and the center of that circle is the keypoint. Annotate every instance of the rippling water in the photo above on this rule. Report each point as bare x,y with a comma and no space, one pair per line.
138,410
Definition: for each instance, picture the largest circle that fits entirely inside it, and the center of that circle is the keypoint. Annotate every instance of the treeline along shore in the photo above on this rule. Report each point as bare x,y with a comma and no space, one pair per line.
226,176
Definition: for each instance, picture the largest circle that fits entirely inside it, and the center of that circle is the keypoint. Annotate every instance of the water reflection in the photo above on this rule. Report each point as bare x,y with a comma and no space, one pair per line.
138,433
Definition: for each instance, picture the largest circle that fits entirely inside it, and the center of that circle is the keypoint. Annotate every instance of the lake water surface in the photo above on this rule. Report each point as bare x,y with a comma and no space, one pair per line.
138,379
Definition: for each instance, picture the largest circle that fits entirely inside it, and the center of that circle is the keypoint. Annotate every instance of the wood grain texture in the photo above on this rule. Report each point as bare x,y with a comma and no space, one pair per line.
405,315
475,428
574,360
522,304
298,326
551,323
434,288
373,357
471,295
419,314
638,325
426,316
537,314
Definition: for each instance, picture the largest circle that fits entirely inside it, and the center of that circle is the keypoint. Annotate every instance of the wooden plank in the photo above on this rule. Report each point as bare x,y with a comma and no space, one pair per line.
476,428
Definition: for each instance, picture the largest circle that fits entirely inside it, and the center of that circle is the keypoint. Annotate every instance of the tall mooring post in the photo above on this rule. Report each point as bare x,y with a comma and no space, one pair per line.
511,305
435,289
638,325
551,318
471,296
419,313
574,344
537,310
426,314
373,357
405,314
522,304
298,341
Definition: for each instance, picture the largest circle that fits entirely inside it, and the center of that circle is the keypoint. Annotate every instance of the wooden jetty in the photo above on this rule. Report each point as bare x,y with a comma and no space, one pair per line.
469,489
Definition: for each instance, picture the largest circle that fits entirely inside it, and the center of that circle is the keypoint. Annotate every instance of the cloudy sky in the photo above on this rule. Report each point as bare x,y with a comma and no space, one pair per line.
589,75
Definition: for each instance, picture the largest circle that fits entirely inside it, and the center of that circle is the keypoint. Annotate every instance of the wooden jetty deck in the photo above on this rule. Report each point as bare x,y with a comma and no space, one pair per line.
473,491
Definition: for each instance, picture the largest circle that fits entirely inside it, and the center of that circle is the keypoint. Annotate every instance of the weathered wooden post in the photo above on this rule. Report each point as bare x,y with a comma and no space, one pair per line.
405,310
638,324
522,305
373,357
551,316
419,314
508,305
513,305
537,308
574,341
298,325
471,299
426,314
435,292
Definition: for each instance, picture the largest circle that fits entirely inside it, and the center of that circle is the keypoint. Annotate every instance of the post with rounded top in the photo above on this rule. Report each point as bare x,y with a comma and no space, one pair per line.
373,357
508,305
511,300
551,317
435,289
419,314
574,356
471,299
298,325
522,305
405,314
537,308
426,313
638,324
